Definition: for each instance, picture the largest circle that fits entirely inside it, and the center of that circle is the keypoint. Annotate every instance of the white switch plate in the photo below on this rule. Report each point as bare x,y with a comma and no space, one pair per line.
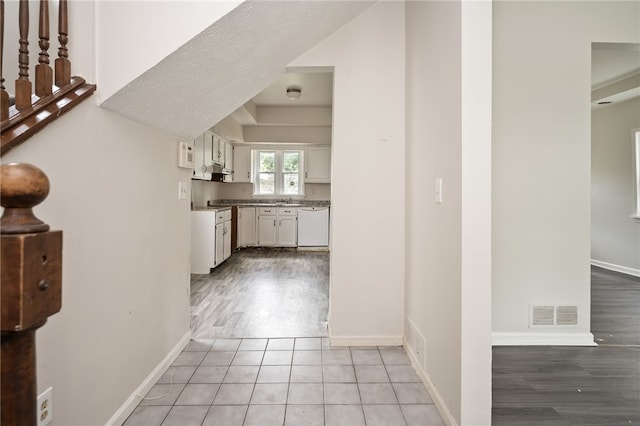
439,191
182,190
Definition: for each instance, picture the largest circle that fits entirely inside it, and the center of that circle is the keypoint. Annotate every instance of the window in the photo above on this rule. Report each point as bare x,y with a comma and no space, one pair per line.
278,172
636,180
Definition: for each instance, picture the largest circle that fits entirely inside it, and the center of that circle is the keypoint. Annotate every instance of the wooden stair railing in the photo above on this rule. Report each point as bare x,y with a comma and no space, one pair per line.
30,290
31,110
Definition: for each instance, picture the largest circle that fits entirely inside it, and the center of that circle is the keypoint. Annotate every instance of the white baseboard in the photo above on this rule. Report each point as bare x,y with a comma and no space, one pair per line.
437,399
365,341
616,268
542,339
132,402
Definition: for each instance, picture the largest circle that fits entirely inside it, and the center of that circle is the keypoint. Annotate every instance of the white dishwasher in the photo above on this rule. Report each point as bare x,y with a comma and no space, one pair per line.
313,226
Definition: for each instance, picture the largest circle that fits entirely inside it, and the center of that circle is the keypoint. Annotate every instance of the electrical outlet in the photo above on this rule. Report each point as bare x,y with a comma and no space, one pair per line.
45,407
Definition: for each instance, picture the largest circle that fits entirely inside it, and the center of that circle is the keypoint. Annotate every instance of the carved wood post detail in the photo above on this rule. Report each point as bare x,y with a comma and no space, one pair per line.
44,73
63,65
23,85
30,287
4,96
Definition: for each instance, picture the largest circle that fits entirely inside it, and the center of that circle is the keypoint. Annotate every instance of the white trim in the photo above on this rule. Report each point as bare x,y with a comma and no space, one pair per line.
542,339
437,399
616,268
132,402
366,341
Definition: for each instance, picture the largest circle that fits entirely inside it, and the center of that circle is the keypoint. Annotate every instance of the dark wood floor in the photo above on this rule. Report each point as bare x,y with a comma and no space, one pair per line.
577,385
262,293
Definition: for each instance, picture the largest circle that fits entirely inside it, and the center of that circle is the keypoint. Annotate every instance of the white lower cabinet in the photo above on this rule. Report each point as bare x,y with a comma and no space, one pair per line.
223,236
267,226
287,227
203,241
277,227
247,235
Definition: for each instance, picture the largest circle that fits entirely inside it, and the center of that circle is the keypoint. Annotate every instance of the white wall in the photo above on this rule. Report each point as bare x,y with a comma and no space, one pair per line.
125,302
615,237
126,45
541,158
448,252
367,189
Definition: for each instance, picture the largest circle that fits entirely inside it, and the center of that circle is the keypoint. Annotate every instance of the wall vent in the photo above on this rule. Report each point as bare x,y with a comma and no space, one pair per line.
566,315
553,315
542,315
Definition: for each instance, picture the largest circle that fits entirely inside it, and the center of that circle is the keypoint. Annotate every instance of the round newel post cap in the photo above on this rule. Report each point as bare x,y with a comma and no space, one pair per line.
22,187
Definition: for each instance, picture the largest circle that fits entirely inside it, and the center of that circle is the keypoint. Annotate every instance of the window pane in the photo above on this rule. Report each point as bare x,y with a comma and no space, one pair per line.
267,183
291,161
267,161
291,183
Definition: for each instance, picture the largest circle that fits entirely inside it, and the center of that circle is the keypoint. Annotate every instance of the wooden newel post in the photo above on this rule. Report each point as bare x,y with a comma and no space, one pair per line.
30,286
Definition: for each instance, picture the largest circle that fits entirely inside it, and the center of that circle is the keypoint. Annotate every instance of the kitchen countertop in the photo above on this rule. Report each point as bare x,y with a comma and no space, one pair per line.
227,204
267,203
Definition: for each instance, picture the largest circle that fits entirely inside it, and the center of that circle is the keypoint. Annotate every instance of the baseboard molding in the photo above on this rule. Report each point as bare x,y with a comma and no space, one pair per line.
542,339
365,341
616,268
132,402
437,399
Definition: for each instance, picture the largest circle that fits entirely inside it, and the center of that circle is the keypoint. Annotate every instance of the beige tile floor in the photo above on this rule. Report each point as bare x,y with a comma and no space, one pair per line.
287,381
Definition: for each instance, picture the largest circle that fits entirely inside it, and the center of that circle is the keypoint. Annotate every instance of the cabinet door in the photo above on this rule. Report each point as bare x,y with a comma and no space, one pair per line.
219,243
208,148
203,235
241,163
287,231
198,157
247,227
227,239
228,161
317,163
220,154
267,231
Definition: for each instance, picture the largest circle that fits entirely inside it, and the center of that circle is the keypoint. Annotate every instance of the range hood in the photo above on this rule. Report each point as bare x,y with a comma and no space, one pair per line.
218,169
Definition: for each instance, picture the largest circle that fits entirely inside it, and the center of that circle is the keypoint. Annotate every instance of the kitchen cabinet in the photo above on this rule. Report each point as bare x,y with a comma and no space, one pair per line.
267,223
200,158
277,226
247,235
223,236
317,165
241,163
203,241
228,161
218,146
287,227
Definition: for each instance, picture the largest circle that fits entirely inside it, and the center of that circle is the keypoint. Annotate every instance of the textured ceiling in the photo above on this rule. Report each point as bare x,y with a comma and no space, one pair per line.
228,63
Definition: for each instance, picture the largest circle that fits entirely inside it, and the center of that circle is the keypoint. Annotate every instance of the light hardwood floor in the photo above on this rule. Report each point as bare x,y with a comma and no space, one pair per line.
577,385
262,293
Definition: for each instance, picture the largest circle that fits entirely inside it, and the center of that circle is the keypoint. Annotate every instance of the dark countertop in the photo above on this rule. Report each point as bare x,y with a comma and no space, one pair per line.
213,204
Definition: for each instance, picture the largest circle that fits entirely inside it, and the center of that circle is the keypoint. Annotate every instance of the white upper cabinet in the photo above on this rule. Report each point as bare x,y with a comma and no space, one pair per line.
228,161
200,157
241,163
218,148
317,165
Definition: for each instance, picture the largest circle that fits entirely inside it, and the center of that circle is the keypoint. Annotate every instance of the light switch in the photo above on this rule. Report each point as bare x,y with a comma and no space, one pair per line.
182,190
438,191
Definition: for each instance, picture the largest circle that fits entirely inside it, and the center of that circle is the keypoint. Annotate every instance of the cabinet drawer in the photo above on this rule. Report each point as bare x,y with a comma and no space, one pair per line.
267,211
287,211
219,217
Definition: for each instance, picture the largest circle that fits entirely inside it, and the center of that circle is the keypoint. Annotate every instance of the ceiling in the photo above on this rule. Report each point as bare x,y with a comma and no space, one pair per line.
317,90
615,73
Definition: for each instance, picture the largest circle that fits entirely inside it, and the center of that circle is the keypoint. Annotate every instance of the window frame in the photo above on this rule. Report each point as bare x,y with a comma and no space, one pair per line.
278,173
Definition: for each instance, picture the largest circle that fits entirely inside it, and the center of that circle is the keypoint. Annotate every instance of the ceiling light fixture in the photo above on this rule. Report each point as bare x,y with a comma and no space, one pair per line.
294,92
